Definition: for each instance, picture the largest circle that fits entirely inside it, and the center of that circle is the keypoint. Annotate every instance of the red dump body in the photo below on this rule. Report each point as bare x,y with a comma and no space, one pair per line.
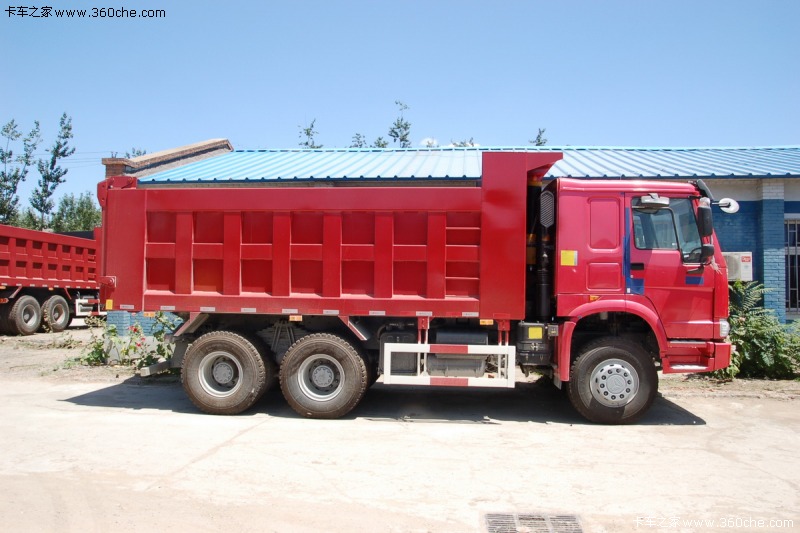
388,250
41,259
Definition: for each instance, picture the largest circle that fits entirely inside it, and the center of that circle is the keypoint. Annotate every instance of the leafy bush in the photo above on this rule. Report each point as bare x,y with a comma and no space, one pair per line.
763,346
133,348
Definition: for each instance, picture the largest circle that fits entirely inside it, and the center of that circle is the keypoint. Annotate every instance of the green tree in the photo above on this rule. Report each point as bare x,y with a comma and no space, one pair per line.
400,130
15,168
51,174
76,213
358,141
135,152
27,219
464,144
540,139
307,136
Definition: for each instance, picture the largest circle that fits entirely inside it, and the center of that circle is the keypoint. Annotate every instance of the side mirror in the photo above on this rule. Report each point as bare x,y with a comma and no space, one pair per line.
706,253
729,205
705,223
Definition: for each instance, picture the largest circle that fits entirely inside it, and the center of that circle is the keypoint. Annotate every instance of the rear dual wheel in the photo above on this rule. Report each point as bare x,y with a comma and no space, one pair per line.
225,373
55,313
23,316
323,376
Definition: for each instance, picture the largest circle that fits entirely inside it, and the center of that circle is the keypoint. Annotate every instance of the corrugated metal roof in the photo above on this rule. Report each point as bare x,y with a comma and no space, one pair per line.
678,162
246,166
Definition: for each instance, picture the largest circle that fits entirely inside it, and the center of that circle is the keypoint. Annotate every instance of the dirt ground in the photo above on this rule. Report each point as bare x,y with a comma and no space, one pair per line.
101,449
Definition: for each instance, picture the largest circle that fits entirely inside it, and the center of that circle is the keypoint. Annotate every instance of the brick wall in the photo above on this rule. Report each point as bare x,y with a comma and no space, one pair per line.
773,258
773,246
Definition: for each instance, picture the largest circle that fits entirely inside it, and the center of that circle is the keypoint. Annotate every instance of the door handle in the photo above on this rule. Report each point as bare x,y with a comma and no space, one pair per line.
637,266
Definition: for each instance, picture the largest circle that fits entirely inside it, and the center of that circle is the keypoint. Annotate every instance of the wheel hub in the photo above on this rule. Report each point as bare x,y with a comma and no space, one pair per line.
614,383
223,373
322,376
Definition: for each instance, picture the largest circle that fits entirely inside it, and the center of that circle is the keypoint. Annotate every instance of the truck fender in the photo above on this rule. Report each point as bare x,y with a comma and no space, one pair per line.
615,306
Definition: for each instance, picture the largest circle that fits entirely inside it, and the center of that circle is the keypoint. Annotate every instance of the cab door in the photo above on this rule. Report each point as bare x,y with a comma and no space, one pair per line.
664,265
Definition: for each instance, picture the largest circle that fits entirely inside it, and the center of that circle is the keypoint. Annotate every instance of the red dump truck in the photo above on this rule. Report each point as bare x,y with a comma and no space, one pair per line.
328,269
46,280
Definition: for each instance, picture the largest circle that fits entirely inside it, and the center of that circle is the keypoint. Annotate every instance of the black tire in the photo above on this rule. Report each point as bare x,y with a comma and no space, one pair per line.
223,373
613,381
323,376
372,370
55,313
5,309
269,361
25,316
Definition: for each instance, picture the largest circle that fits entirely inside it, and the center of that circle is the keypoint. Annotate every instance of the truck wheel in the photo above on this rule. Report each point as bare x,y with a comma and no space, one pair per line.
223,373
25,316
5,309
613,381
55,313
323,376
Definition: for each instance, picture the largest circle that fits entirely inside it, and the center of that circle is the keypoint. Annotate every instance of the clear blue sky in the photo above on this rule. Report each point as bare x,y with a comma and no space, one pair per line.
593,73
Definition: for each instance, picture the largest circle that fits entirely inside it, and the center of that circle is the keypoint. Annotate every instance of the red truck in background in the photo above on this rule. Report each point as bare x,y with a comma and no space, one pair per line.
46,280
325,286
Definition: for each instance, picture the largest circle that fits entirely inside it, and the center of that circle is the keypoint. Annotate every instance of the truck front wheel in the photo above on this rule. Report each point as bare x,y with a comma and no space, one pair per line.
613,381
323,376
223,373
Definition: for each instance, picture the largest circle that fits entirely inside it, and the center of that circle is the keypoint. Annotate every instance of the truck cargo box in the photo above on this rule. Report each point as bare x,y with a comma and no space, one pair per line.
43,259
370,246
46,280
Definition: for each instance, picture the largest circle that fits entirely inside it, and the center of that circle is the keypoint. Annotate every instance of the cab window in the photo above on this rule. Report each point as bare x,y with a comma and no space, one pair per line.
673,228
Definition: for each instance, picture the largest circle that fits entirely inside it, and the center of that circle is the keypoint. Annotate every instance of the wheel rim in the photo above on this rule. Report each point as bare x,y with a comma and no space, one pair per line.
220,374
29,315
614,383
321,377
60,314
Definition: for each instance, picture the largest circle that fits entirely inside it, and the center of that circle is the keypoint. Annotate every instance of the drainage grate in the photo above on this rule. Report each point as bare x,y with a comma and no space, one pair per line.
532,523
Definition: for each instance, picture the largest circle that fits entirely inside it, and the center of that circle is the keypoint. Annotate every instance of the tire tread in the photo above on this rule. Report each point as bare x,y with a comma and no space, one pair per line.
218,406
294,357
648,381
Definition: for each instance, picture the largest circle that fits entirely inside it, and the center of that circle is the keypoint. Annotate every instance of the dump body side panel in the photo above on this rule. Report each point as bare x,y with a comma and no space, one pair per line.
31,258
338,251
392,250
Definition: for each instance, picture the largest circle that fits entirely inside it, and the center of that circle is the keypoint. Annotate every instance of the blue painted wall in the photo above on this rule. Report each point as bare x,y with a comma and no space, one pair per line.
740,232
758,228
791,207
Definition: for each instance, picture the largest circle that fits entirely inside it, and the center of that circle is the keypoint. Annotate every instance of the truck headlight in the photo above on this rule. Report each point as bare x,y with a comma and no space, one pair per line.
724,328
